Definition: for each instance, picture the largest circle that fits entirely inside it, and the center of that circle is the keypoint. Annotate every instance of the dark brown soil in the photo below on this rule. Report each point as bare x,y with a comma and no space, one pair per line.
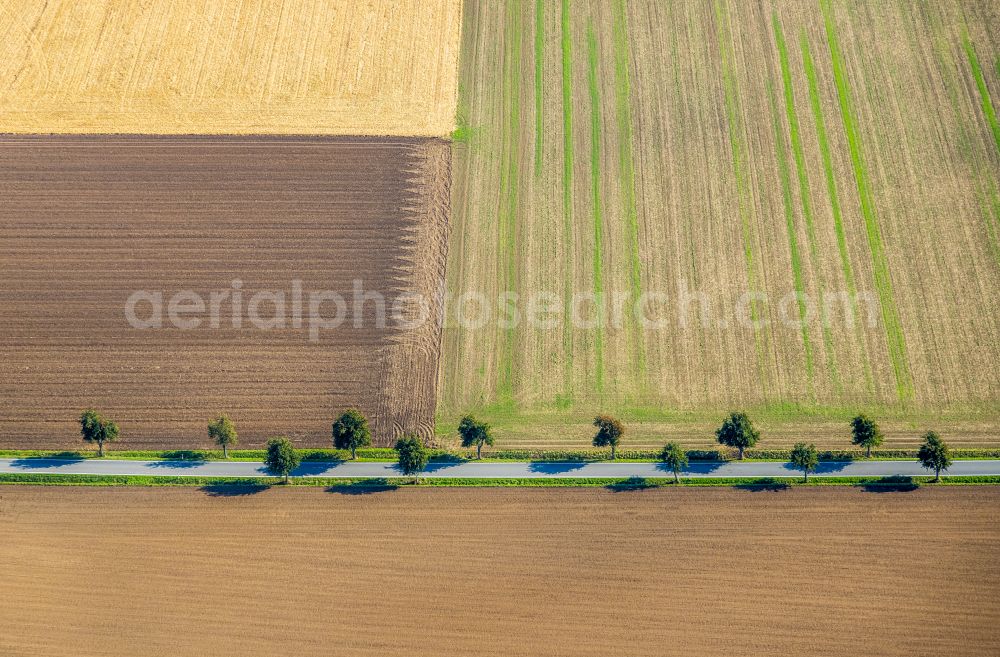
87,221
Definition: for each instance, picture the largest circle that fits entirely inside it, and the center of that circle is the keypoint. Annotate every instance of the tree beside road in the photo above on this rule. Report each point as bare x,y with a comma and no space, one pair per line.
95,428
412,455
222,431
805,458
934,454
281,457
675,458
350,431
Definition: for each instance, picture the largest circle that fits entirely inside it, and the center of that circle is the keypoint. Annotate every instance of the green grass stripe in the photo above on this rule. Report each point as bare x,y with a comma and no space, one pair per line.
824,149
984,92
626,165
731,90
732,102
989,205
831,188
539,77
509,186
883,281
566,42
805,195
595,184
796,138
793,241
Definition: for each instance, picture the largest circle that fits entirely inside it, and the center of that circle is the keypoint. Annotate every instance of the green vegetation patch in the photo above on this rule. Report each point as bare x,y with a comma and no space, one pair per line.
566,45
626,167
539,82
793,243
984,91
595,184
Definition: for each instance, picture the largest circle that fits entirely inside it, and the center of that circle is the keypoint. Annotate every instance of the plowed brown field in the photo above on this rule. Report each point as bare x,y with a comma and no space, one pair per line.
86,222
499,572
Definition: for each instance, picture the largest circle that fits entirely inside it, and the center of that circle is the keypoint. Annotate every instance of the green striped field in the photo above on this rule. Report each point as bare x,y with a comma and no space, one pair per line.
807,193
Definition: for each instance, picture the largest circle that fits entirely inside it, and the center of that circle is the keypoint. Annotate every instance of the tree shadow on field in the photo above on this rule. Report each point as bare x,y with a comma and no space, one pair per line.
234,489
764,485
631,484
894,484
363,487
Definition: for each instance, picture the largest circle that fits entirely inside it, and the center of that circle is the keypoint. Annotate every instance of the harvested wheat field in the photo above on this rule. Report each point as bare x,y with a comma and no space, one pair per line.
500,572
840,157
274,227
379,67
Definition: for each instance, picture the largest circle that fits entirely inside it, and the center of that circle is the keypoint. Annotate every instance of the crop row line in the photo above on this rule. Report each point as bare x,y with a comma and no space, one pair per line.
883,280
626,165
731,98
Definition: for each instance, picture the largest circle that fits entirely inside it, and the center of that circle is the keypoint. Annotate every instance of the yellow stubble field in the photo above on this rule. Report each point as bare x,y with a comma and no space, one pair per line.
379,67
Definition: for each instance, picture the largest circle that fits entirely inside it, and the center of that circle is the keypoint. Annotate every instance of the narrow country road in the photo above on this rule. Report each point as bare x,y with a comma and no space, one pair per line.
488,470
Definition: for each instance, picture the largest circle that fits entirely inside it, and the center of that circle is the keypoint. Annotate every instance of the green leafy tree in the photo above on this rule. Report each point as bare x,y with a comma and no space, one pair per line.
281,457
96,429
412,455
865,433
675,458
351,431
737,431
805,458
934,454
475,433
609,432
223,432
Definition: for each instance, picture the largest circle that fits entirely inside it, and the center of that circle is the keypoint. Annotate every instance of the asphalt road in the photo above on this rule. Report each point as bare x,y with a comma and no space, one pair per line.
488,470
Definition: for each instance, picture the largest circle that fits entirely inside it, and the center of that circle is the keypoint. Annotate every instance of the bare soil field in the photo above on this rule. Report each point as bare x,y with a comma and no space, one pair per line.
809,152
500,572
86,222
379,67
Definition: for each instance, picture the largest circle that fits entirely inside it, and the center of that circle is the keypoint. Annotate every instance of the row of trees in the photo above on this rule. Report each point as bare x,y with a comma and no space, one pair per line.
351,432
738,432
413,455
934,454
282,458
